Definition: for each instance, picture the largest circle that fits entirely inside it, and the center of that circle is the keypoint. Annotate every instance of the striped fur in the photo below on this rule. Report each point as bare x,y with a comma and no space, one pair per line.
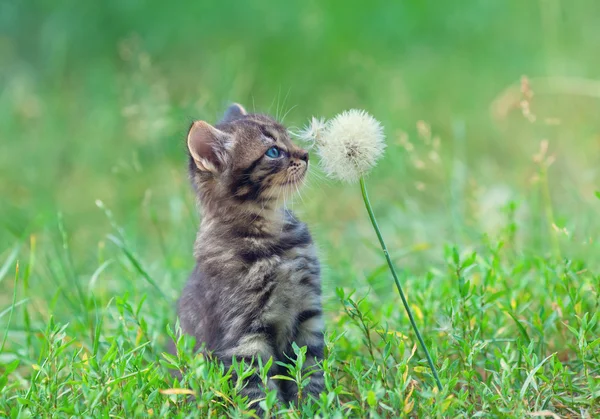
256,285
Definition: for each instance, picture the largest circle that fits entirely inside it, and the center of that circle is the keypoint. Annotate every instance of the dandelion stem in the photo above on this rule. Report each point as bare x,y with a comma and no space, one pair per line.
397,281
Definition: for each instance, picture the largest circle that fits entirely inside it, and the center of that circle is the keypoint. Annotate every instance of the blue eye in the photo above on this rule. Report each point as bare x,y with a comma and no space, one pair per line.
273,152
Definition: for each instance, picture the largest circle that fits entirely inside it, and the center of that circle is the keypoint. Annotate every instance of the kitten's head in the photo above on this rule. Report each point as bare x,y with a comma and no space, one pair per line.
244,158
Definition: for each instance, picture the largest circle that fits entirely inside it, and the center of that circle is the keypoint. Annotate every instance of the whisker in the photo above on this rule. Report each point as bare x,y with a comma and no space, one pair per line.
278,97
298,191
283,104
286,114
271,105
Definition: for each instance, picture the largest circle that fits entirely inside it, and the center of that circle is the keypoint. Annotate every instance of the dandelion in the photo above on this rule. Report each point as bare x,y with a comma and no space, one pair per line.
349,147
313,132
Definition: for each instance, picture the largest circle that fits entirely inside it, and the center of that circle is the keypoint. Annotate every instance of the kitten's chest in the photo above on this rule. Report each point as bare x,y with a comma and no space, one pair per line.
297,290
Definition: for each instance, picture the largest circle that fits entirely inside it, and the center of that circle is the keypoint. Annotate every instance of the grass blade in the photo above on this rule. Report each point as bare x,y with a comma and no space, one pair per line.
136,264
531,374
12,308
521,327
8,263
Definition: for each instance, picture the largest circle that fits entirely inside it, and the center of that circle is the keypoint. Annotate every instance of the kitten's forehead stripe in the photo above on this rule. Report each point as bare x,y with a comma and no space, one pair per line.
268,132
268,140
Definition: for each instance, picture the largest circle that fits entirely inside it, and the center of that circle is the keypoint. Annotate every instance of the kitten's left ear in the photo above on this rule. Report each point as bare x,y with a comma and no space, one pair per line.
208,147
235,111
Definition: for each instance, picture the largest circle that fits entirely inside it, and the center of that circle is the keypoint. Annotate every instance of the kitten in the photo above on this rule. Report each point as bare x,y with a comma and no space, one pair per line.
256,285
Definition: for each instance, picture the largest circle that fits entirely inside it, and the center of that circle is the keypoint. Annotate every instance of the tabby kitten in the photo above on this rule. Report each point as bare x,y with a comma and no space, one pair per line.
256,285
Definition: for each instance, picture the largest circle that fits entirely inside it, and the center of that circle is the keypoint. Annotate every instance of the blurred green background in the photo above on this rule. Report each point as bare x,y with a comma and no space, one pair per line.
96,98
491,111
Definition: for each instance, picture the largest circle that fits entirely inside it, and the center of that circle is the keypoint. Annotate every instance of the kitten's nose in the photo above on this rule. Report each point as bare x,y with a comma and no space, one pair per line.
303,155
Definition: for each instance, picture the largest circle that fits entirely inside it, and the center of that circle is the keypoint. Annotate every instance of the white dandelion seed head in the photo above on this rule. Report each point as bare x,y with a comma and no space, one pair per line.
351,145
313,132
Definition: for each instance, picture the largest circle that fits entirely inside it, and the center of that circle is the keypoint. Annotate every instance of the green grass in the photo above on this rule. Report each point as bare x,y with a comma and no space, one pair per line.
496,243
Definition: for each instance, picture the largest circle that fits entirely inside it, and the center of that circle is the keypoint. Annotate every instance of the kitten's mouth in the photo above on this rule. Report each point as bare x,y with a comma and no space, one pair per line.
288,186
295,179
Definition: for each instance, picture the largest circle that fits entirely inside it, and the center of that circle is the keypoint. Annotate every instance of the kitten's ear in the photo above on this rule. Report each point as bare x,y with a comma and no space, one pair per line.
234,112
208,147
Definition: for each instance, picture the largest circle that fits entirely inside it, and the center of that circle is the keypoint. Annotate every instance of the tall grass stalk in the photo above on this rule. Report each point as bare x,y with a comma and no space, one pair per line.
545,188
365,195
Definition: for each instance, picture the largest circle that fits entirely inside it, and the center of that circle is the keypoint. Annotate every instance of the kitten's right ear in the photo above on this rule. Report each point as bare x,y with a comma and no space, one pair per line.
208,147
235,111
